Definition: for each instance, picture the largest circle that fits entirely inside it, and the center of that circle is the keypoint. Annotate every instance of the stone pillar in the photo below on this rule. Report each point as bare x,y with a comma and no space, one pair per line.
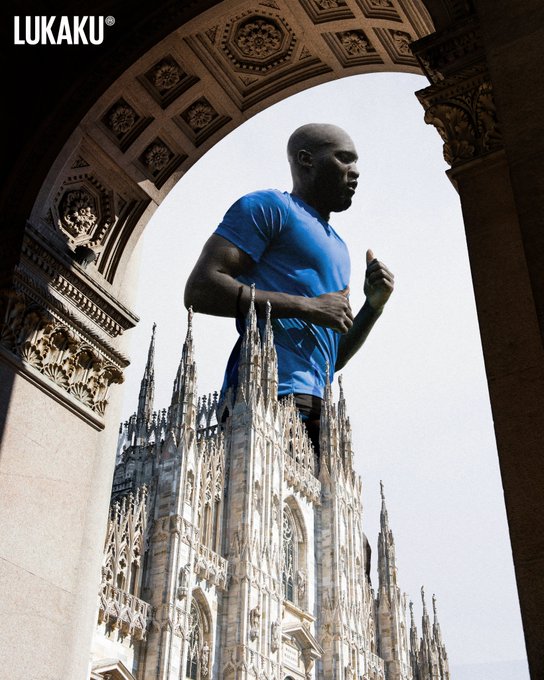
460,102
59,362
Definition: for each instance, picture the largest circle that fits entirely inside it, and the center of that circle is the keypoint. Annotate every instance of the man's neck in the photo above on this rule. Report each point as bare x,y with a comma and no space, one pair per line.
310,199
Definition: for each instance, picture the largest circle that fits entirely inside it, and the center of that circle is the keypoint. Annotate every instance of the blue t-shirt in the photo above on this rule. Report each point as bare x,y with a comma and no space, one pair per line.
295,251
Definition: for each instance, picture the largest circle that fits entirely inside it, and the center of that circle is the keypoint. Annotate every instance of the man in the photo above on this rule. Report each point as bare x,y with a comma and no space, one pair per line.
283,243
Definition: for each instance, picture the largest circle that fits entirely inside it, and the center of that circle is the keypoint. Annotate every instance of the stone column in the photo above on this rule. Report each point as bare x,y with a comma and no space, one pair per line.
60,360
460,103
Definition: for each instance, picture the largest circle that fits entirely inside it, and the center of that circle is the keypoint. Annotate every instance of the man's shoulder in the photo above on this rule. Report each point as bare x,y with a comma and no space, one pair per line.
267,197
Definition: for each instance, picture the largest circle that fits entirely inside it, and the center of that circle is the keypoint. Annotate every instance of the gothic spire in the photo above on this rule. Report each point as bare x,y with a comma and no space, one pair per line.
327,425
184,390
249,371
437,634
440,647
387,568
147,386
344,426
425,622
414,645
269,359
414,640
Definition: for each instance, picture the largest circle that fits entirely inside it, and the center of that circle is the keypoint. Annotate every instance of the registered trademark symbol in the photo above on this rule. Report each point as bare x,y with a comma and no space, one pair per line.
110,21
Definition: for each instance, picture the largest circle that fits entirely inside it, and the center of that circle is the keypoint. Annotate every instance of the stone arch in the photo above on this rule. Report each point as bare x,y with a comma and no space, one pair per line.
300,567
102,208
199,650
188,91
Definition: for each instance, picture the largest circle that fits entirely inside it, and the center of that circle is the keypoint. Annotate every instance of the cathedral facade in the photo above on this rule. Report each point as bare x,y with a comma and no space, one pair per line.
234,550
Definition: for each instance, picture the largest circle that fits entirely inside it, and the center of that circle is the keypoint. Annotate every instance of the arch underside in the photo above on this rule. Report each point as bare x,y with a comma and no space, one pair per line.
192,89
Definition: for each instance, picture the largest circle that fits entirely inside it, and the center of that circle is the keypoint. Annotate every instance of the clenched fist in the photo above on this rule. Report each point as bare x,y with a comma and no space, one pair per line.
379,282
331,310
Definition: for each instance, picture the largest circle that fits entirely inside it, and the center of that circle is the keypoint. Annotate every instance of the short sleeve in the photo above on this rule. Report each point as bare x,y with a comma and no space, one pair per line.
254,221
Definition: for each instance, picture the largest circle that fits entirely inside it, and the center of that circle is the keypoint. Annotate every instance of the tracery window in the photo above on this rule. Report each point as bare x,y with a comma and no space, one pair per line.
289,557
193,670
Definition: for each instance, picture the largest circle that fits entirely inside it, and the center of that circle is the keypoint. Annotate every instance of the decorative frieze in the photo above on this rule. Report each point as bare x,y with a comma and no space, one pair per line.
211,567
122,611
300,479
49,271
48,340
459,102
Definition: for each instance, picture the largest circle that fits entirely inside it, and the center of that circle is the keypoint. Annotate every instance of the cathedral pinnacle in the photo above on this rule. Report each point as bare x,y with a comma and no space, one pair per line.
384,519
147,386
425,623
437,634
387,568
184,389
249,371
270,359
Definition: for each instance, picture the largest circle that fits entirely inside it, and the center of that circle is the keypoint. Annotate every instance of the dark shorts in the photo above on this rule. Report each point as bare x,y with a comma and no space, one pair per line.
308,406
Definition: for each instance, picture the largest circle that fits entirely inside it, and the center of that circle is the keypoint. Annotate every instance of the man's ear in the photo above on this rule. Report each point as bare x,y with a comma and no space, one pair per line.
304,158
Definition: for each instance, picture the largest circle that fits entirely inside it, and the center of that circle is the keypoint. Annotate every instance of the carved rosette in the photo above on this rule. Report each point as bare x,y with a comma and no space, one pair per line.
166,80
459,102
200,114
84,210
258,42
78,212
56,349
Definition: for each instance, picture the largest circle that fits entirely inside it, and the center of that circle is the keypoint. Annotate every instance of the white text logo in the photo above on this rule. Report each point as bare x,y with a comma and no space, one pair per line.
60,30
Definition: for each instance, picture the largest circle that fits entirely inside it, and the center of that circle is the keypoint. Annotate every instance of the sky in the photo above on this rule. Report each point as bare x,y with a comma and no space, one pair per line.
416,393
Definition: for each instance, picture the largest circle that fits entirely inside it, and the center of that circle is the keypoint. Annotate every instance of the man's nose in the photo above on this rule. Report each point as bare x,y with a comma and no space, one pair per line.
353,171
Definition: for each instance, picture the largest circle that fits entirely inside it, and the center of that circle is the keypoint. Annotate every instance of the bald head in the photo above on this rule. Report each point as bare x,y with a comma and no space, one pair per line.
313,137
323,162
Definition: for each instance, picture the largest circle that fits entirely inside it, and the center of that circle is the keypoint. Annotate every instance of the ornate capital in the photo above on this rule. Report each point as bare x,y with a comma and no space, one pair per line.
56,327
459,102
47,344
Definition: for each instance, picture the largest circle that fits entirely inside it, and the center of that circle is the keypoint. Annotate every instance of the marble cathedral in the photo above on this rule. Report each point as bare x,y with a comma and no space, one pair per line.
233,551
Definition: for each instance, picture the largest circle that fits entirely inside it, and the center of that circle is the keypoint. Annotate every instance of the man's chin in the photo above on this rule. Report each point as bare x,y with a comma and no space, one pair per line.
342,205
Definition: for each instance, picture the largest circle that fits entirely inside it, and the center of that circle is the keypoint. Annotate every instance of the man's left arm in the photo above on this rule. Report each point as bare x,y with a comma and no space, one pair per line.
379,283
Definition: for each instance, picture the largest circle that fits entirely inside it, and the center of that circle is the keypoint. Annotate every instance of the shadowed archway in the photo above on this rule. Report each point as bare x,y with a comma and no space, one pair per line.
123,124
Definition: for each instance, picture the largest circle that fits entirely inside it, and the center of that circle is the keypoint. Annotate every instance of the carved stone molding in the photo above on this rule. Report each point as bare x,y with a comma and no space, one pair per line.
48,340
459,102
211,567
123,611
42,340
92,300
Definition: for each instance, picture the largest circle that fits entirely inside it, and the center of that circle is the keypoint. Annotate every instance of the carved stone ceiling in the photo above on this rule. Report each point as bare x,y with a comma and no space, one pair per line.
196,86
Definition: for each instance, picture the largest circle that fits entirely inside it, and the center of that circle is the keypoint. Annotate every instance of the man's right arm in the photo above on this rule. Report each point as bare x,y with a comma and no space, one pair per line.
212,288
